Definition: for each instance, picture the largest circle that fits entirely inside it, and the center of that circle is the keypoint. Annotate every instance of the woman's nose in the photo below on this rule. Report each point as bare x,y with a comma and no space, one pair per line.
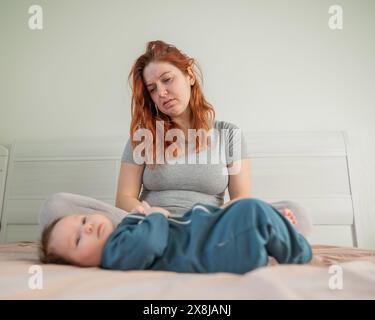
162,92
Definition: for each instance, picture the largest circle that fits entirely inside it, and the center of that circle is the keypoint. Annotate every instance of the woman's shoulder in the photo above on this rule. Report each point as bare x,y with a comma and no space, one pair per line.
224,125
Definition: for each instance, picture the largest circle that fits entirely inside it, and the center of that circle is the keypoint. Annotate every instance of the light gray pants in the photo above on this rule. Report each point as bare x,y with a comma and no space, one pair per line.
62,204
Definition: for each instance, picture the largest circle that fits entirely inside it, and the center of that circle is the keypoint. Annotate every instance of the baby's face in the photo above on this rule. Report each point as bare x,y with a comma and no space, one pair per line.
80,239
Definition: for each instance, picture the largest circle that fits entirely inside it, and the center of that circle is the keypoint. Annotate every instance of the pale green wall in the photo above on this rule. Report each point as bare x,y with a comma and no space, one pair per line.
268,65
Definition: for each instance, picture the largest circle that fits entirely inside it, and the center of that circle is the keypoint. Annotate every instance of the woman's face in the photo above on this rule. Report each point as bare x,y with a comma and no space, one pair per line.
169,88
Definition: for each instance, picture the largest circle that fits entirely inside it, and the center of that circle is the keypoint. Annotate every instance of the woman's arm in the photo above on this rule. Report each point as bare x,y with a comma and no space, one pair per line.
239,183
128,186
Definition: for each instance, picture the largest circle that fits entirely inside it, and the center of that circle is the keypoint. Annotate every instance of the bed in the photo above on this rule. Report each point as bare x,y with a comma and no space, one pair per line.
310,168
321,279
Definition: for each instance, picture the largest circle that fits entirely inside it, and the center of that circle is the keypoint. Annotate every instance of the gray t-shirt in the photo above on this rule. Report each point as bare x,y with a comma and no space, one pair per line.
178,186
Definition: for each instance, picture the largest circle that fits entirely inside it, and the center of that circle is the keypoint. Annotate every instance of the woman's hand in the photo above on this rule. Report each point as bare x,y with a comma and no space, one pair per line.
149,210
139,209
146,209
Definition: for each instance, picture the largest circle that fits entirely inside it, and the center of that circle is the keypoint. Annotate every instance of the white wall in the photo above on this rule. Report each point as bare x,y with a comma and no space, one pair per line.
267,65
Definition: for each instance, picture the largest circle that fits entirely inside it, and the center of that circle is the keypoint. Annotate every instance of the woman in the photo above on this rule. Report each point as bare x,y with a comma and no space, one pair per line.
177,125
167,97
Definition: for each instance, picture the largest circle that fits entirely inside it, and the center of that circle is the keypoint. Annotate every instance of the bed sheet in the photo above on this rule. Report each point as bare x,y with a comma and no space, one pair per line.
316,280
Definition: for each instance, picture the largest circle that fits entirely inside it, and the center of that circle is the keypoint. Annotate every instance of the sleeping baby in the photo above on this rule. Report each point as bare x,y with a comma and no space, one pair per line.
237,239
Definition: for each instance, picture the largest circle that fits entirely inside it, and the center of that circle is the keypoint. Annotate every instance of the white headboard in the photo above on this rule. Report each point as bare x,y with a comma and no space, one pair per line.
310,168
307,167
3,173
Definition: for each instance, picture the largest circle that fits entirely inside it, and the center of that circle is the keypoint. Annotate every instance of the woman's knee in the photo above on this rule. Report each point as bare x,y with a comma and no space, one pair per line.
55,206
55,199
251,202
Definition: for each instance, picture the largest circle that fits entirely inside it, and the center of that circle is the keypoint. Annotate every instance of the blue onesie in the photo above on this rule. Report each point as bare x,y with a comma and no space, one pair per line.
237,239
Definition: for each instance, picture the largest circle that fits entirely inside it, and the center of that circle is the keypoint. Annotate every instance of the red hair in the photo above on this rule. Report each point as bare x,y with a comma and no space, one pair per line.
143,110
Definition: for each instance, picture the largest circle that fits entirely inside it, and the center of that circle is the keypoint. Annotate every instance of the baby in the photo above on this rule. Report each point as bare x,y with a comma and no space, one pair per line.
238,239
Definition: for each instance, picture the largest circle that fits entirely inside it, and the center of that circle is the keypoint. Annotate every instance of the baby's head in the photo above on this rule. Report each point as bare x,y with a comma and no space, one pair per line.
76,239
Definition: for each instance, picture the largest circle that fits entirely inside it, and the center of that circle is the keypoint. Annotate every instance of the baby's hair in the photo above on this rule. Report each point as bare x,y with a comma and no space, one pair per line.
45,255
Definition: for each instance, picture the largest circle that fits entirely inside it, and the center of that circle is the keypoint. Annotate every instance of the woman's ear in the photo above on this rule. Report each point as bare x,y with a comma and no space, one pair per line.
191,76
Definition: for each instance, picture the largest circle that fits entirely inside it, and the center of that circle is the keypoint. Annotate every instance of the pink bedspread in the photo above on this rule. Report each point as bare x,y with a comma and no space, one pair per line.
353,268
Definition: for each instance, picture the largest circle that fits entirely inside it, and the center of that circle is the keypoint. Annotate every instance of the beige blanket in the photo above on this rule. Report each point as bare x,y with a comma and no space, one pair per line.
352,276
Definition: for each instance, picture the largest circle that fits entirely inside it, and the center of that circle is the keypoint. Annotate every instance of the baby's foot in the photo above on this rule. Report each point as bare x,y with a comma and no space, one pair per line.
287,213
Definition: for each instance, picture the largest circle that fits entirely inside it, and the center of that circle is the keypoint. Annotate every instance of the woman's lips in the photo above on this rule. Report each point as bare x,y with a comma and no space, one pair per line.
169,103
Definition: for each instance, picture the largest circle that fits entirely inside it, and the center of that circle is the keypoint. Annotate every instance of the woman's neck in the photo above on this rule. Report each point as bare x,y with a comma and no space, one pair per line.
183,121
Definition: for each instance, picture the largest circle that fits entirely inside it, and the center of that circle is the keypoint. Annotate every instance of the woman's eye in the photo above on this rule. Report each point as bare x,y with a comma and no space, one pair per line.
77,241
166,79
152,90
84,220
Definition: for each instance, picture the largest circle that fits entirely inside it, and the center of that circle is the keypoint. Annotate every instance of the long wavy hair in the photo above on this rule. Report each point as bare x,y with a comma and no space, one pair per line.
143,110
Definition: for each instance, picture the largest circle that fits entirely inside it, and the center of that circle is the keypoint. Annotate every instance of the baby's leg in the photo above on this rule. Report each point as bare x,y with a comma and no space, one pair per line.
268,231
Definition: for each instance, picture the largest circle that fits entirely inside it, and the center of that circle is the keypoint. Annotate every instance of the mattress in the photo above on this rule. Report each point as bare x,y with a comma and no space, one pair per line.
334,273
